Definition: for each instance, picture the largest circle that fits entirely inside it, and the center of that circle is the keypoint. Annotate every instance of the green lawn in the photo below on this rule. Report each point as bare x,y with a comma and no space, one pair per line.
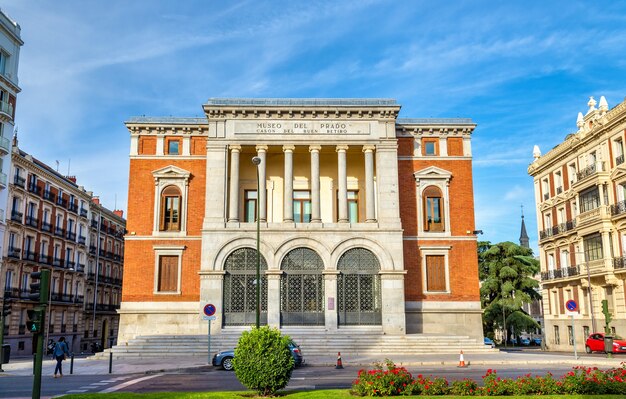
321,394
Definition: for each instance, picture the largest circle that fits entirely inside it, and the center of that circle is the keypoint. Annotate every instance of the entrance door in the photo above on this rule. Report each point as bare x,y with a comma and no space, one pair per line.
302,289
358,288
240,288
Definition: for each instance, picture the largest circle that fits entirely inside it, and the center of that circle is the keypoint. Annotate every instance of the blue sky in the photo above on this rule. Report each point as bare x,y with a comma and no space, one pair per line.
521,69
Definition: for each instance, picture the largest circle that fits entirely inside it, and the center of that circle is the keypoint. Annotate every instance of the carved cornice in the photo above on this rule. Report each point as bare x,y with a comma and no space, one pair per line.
603,124
167,126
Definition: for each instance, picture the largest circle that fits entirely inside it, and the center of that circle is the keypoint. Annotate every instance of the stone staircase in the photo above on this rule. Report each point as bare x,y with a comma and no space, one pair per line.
313,342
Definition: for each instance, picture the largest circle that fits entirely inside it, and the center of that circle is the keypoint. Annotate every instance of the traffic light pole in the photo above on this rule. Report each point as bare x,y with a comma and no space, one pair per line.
39,291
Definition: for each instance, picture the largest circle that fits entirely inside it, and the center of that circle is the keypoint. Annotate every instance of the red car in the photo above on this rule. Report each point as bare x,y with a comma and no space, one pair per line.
595,343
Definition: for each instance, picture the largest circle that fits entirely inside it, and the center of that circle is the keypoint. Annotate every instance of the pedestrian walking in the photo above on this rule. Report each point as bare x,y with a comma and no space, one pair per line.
61,351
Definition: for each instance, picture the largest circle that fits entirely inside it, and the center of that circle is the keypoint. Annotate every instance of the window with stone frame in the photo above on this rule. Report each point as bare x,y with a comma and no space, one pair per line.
433,209
589,199
436,273
167,279
170,209
593,247
250,205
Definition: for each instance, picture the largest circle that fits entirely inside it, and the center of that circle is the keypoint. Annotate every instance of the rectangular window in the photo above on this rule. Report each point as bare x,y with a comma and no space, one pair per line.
250,199
435,273
430,147
593,247
557,336
3,62
168,274
353,206
589,199
172,147
570,335
8,280
585,331
302,206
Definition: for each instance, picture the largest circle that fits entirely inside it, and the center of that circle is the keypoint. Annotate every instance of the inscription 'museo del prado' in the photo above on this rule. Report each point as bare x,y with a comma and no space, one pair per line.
303,127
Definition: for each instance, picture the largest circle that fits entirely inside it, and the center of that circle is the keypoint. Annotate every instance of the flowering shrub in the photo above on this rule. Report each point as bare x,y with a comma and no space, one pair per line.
465,387
380,382
581,380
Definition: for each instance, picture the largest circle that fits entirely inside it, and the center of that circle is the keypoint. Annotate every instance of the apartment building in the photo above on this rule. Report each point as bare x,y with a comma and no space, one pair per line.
10,44
580,188
56,224
366,220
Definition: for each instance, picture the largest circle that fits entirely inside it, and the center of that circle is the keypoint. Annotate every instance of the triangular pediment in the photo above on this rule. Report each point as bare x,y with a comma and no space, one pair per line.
171,172
619,172
432,172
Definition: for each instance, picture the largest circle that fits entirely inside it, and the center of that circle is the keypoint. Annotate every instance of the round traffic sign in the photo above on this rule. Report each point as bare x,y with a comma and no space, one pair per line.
209,309
571,305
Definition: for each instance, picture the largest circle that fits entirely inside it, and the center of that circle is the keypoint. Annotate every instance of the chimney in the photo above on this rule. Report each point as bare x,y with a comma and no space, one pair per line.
96,200
71,178
119,213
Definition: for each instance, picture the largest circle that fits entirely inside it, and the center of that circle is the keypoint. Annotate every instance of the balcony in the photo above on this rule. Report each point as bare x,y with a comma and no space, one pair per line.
83,212
559,190
73,207
49,196
32,221
80,267
619,264
71,236
618,208
62,202
94,223
16,216
593,216
19,181
43,258
14,253
57,262
59,231
117,257
31,256
558,229
5,145
34,188
92,249
546,196
45,226
69,264
6,108
560,273
82,240
91,276
590,170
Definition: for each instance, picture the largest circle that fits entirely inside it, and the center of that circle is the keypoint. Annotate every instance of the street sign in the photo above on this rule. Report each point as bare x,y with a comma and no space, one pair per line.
571,305
209,312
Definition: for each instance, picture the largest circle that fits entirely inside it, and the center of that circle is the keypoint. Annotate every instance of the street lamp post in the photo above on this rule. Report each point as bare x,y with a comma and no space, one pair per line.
257,161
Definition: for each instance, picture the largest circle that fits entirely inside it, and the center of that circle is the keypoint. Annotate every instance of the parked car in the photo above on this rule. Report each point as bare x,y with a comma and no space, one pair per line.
224,359
595,343
537,341
513,341
489,342
525,341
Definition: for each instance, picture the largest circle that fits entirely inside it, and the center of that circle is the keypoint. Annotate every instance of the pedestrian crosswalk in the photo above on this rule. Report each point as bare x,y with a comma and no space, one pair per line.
97,386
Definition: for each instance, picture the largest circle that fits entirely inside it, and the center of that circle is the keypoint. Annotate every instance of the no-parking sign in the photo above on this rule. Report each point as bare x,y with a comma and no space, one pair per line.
209,312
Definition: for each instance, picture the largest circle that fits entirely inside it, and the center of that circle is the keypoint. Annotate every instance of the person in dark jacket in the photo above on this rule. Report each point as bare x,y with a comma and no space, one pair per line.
60,352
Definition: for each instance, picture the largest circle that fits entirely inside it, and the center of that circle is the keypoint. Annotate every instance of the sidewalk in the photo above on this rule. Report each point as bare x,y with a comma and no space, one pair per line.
143,365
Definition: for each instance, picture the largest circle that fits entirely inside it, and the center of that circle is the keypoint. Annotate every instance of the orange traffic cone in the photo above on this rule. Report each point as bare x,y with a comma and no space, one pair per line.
461,360
339,365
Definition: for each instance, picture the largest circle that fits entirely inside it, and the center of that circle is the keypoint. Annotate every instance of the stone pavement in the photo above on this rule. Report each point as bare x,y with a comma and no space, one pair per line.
143,365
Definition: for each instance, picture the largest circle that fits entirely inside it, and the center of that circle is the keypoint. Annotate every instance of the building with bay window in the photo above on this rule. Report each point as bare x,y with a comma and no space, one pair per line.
580,188
366,220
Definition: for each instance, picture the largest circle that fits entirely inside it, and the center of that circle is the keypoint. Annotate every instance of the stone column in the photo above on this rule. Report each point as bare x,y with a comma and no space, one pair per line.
233,208
342,175
315,183
288,201
370,210
331,298
215,205
273,297
262,194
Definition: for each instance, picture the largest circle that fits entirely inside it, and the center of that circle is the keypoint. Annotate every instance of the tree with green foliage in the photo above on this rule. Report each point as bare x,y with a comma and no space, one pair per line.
505,272
263,361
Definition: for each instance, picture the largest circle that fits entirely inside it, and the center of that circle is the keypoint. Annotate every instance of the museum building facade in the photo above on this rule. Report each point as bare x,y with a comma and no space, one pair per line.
366,220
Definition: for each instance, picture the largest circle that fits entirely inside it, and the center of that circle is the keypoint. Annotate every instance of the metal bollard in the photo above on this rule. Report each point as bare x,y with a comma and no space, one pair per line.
110,362
72,364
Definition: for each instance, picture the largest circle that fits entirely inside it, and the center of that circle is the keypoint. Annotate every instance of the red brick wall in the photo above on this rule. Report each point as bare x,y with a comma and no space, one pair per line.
455,146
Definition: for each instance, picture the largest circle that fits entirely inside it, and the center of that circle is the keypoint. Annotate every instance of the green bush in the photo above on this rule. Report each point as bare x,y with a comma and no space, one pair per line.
263,361
379,382
466,387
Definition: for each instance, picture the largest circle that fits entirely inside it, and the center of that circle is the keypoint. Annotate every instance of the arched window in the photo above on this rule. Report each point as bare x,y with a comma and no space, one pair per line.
358,288
170,209
433,209
302,288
